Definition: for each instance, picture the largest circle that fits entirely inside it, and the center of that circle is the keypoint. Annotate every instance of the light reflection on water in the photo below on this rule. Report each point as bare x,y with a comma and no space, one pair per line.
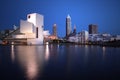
63,58
86,54
47,54
31,60
104,50
12,53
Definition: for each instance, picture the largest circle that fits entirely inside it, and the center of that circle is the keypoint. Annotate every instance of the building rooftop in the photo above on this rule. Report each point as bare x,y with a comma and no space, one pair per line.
68,16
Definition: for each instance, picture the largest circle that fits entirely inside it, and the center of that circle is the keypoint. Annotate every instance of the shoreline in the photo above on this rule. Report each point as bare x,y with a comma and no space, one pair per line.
105,44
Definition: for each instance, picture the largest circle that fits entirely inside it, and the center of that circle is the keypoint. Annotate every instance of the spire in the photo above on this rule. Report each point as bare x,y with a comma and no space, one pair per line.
54,24
74,26
68,16
74,30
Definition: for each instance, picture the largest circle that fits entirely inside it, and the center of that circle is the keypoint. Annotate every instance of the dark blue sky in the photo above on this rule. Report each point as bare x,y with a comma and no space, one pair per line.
104,13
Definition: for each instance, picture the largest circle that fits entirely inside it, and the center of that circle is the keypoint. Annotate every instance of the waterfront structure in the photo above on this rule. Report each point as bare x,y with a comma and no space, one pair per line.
52,37
117,37
93,29
100,37
81,37
38,21
84,36
32,29
68,25
95,37
73,39
46,35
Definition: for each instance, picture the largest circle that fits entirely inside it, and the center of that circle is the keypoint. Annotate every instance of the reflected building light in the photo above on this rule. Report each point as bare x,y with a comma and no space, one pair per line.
32,70
12,53
92,46
86,49
103,49
86,46
31,64
76,45
47,52
58,45
29,61
86,54
51,47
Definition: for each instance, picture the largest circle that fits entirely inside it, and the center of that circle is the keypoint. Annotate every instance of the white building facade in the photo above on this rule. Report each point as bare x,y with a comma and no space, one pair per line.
81,37
32,29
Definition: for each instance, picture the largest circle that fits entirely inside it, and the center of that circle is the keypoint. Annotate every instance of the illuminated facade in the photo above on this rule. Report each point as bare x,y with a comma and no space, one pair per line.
68,25
38,22
81,37
84,36
32,29
55,30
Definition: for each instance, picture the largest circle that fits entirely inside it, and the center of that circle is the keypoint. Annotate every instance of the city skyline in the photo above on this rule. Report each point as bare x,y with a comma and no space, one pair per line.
103,13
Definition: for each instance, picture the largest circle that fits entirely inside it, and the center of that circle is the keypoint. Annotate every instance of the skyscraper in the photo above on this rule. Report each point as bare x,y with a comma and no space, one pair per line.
74,30
93,29
55,30
68,25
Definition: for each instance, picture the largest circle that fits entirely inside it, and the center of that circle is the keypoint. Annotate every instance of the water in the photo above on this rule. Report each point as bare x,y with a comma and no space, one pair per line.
59,62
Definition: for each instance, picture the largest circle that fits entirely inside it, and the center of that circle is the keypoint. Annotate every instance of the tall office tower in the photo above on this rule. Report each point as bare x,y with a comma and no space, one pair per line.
55,30
93,29
74,30
68,25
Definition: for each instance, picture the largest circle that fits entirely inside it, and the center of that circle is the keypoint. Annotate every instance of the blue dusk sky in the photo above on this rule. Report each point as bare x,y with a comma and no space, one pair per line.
104,13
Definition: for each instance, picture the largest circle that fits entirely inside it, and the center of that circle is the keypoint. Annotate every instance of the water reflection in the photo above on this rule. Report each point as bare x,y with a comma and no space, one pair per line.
86,54
103,49
12,53
68,61
31,60
86,49
47,52
58,45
